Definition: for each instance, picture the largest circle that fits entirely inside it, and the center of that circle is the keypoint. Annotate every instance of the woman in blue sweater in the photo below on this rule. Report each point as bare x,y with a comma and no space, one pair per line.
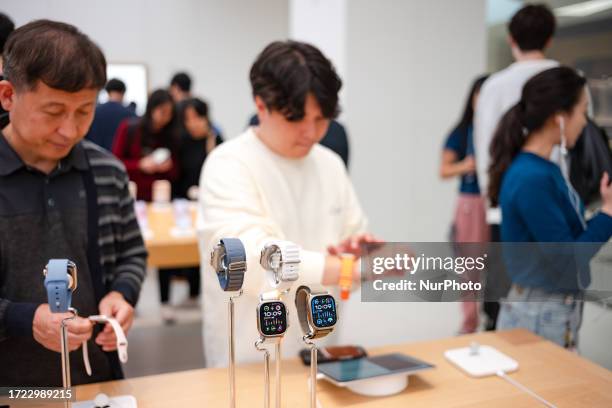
539,206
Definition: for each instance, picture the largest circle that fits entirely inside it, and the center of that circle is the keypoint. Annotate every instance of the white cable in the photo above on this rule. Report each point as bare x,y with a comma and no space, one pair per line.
523,388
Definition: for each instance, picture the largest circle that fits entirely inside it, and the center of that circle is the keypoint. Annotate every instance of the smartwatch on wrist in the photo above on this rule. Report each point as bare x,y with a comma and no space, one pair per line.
316,311
228,258
281,260
272,317
60,281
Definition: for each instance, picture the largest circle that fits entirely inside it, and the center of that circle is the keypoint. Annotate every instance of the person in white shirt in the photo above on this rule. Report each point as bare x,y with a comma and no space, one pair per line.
274,182
530,32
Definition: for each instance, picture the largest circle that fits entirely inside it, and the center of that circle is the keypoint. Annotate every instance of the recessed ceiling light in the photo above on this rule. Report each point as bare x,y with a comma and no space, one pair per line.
586,8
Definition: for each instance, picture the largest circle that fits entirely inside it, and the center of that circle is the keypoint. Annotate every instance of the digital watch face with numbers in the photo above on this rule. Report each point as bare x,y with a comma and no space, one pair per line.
323,311
272,318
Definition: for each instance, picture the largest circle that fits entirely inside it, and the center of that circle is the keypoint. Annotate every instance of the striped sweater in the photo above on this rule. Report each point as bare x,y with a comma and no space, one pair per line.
122,252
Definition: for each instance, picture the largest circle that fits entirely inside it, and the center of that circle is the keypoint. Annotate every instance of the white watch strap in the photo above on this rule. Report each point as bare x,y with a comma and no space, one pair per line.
122,343
281,260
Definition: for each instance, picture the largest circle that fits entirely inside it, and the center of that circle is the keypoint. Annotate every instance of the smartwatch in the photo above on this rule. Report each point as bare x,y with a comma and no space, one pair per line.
281,260
60,281
316,311
272,317
228,259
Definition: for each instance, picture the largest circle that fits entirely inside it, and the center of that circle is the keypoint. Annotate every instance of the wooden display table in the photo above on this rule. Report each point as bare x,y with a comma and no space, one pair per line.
561,377
165,249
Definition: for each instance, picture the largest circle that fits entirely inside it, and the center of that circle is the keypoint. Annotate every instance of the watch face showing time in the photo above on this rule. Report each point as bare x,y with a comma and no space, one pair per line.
272,318
323,309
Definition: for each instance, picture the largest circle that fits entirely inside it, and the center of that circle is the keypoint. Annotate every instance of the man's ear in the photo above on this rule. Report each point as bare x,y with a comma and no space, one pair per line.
511,41
260,105
548,43
7,95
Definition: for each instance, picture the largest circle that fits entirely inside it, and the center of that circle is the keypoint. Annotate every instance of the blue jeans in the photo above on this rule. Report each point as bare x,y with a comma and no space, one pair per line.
554,316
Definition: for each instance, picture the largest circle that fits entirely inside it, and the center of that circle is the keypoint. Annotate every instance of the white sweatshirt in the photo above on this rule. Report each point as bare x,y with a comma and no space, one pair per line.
249,192
498,94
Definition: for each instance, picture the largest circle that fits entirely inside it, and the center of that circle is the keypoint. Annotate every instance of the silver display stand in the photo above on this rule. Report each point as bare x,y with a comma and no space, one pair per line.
66,380
313,370
232,350
277,379
258,346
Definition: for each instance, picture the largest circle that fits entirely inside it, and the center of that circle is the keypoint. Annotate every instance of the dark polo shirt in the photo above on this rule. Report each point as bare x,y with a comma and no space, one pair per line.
41,217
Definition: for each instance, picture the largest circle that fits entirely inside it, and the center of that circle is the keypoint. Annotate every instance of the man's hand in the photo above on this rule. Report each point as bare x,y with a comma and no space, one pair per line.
46,328
115,306
352,245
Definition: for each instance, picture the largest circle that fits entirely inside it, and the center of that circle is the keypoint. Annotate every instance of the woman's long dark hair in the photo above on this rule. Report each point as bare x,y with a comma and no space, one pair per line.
168,132
468,110
546,94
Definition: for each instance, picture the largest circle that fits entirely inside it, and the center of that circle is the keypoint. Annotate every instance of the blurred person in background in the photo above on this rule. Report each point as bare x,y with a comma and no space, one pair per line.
180,89
138,138
109,115
6,28
197,142
539,205
469,223
530,33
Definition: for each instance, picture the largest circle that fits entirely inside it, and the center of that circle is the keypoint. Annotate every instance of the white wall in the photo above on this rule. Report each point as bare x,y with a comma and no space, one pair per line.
409,66
214,40
321,23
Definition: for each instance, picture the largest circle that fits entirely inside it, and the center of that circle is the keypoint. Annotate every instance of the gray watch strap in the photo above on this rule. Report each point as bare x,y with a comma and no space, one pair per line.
229,261
303,309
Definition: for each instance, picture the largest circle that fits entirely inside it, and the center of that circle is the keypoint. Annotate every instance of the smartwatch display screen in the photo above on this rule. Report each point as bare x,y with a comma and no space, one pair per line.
323,311
273,318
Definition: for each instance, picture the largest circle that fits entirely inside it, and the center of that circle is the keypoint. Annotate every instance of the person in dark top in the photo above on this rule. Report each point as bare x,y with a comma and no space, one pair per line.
335,138
109,115
61,197
137,139
180,89
197,141
539,205
469,223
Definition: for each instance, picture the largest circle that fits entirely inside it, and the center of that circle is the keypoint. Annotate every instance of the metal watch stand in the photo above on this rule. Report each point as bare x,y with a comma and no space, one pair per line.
66,380
313,370
232,350
258,346
277,379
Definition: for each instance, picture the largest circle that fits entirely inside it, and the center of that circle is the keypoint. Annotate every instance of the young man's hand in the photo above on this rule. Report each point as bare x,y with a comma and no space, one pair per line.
46,328
352,245
115,306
